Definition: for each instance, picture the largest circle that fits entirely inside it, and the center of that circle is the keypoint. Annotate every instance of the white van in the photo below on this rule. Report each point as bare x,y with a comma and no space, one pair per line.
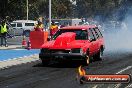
21,27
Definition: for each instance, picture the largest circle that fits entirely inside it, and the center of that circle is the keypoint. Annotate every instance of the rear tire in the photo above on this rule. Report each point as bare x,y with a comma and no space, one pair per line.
99,55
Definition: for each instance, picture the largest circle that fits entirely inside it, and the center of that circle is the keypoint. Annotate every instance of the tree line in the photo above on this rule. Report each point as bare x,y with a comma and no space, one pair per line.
98,9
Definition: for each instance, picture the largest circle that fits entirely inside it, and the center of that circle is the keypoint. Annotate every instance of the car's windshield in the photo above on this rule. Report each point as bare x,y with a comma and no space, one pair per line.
80,34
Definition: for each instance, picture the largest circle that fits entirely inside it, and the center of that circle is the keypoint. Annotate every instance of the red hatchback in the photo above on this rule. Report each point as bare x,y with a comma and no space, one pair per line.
74,43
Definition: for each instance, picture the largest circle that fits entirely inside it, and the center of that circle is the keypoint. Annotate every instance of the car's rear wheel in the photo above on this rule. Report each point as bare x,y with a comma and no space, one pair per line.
99,55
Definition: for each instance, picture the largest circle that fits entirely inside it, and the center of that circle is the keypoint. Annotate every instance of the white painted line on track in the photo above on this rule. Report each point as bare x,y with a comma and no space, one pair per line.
129,67
119,72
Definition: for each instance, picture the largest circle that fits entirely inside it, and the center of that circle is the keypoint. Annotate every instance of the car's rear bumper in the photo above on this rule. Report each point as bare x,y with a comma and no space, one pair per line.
58,56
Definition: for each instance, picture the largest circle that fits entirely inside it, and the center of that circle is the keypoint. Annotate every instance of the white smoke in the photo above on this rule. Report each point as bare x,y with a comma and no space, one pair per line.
121,39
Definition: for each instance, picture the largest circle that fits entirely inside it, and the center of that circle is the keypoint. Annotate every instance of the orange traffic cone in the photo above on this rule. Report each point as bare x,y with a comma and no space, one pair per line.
28,45
24,43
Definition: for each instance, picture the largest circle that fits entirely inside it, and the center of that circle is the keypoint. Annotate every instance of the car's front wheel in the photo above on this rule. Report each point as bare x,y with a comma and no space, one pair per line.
86,60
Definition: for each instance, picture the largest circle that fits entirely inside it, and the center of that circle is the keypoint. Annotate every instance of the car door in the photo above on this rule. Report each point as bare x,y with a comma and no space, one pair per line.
92,38
98,39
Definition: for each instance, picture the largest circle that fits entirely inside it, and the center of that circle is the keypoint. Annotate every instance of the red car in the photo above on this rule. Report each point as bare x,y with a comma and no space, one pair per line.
74,43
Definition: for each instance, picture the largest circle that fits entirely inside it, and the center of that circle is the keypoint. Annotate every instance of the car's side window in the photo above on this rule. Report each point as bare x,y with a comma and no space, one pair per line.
82,35
99,32
96,33
91,35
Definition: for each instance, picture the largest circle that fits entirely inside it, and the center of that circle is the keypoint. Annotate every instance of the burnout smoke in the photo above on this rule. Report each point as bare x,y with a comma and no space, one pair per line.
119,35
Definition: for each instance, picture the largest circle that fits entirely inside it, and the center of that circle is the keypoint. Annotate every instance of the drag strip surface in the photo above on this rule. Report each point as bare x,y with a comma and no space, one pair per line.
63,75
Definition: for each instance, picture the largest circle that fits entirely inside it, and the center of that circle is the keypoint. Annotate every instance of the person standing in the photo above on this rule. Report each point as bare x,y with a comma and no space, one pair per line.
39,26
53,29
3,33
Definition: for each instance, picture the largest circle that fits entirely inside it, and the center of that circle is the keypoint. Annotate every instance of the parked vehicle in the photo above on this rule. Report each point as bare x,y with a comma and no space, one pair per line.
64,22
74,43
23,26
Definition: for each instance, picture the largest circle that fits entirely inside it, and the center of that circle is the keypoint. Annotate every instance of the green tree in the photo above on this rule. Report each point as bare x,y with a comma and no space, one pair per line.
106,9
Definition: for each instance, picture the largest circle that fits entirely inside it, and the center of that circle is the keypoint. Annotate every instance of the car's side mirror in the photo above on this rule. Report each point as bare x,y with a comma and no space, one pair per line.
90,39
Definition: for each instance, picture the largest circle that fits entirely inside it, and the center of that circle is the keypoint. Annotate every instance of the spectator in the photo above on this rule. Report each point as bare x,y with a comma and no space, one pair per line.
39,26
3,33
53,29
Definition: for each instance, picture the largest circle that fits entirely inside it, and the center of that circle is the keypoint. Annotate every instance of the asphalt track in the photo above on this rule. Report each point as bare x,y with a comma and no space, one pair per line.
63,75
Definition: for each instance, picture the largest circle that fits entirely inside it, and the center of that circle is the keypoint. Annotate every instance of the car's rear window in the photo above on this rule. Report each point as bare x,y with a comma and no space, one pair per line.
80,34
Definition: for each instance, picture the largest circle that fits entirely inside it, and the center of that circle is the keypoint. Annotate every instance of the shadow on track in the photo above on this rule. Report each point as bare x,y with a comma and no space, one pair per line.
64,64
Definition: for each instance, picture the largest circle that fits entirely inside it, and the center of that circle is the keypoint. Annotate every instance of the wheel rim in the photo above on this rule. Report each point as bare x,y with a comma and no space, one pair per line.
87,60
101,53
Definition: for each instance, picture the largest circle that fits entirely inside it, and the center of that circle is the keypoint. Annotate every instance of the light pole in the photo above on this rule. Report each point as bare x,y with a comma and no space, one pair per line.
49,13
27,9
